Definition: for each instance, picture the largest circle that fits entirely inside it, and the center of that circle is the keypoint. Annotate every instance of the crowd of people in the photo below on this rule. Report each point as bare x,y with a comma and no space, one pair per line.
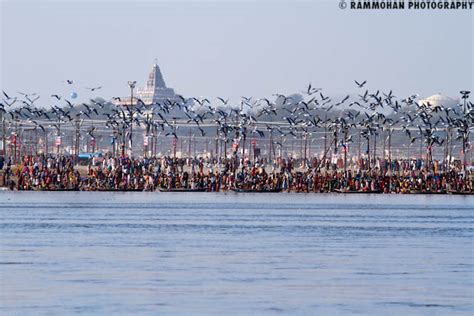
42,173
60,173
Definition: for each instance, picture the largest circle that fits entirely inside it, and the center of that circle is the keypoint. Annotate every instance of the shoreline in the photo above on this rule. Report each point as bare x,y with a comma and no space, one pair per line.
60,174
246,191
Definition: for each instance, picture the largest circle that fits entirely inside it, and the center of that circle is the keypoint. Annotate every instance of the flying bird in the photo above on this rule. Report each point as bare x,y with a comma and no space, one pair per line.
94,88
6,95
361,85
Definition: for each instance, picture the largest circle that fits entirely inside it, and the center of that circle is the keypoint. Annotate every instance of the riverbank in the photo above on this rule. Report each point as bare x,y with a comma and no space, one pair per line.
151,174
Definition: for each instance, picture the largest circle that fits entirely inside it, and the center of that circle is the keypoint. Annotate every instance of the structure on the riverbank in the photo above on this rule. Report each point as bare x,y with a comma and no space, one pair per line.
439,100
155,90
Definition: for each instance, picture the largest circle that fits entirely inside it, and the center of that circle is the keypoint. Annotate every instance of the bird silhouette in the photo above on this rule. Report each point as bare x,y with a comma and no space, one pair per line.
360,85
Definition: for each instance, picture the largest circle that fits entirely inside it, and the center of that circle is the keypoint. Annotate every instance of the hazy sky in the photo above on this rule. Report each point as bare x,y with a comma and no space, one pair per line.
232,48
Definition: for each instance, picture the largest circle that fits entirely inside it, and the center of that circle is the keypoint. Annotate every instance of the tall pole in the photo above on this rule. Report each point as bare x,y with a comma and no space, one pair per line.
45,142
445,160
123,139
421,147
254,146
325,137
16,140
359,143
309,149
78,138
153,135
94,142
270,147
189,143
58,140
375,149
281,148
465,95
390,151
383,151
368,150
156,141
301,138
175,139
4,138
217,142
131,84
72,152
114,138
345,151
146,137
450,147
36,141
244,137
305,148
225,137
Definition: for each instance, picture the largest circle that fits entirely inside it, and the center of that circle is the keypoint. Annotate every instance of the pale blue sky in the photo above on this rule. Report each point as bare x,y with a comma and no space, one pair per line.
232,48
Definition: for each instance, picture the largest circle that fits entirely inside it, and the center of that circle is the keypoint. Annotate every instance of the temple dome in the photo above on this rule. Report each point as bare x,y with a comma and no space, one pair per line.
438,100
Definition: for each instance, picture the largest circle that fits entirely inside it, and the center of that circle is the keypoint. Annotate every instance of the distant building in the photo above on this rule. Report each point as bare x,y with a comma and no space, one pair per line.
438,100
155,90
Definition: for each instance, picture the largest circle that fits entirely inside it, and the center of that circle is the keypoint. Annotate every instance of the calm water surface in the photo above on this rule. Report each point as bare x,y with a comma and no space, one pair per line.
235,254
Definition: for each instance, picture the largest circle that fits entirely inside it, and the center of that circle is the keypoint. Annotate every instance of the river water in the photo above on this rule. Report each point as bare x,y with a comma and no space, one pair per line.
235,254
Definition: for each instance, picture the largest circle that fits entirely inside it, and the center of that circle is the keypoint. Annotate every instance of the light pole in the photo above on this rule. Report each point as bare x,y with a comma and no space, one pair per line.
58,138
465,96
346,130
465,136
77,140
305,148
131,84
4,136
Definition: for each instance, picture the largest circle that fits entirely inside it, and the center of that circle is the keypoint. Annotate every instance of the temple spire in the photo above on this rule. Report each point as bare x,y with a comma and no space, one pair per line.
155,89
155,79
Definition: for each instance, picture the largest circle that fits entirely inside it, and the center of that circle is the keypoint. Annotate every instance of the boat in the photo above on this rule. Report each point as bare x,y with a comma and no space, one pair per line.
120,190
182,190
111,190
358,192
54,189
239,190
460,192
427,192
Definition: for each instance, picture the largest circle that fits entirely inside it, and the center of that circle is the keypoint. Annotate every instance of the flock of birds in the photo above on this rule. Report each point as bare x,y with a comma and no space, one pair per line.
298,115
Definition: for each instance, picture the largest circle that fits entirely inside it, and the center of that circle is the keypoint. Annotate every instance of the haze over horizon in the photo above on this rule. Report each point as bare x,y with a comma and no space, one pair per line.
232,48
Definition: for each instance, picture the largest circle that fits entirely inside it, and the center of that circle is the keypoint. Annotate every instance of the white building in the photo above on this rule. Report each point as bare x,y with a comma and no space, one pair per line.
438,100
155,89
